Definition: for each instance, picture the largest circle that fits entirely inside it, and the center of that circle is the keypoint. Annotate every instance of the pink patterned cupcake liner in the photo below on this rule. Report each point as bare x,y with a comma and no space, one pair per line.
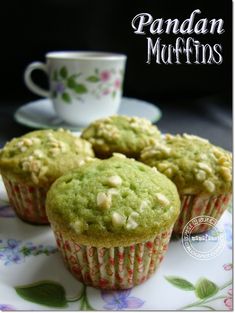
113,268
193,206
27,201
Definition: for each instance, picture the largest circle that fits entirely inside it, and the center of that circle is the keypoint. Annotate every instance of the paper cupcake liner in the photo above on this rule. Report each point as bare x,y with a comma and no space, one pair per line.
27,201
113,268
193,206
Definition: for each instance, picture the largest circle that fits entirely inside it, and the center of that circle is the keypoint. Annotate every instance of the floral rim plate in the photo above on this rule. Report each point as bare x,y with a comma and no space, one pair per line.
33,276
40,113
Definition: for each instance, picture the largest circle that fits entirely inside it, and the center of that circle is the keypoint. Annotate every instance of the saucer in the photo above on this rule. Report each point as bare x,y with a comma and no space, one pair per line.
41,114
34,278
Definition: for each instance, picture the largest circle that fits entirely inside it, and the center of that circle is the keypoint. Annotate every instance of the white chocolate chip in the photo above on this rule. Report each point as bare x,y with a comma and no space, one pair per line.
23,149
104,201
157,150
134,214
169,136
166,150
144,204
54,144
205,167
201,175
38,153
162,199
43,171
203,156
50,136
118,219
34,178
195,137
163,166
131,223
113,191
154,169
81,163
119,155
36,140
54,151
25,165
217,152
225,172
27,142
88,159
63,146
35,166
99,142
92,140
76,226
79,144
114,181
168,172
19,144
213,157
210,186
152,141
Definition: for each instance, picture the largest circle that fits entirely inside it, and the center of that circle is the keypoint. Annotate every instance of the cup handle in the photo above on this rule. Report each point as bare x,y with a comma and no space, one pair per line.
29,82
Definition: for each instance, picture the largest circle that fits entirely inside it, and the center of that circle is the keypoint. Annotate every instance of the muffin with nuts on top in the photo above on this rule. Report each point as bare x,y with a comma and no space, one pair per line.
112,221
201,172
122,134
31,163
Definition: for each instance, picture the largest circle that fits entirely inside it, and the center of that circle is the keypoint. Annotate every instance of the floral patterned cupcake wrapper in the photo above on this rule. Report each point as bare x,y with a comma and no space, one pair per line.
27,201
192,206
113,268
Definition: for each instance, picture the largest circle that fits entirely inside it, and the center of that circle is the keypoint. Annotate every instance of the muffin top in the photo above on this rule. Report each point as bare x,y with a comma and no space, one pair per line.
42,156
112,202
119,133
192,163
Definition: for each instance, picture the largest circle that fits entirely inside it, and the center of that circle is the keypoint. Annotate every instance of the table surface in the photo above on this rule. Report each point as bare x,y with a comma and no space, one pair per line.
207,119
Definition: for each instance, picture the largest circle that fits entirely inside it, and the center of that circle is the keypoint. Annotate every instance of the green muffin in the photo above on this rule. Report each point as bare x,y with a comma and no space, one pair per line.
31,163
123,134
200,170
115,206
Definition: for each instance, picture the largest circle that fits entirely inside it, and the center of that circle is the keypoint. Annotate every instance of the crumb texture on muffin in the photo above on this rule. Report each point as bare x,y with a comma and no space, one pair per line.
119,133
44,155
192,163
112,202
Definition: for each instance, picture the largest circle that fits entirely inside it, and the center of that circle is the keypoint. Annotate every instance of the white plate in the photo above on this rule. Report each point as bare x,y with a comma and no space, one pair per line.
28,255
41,114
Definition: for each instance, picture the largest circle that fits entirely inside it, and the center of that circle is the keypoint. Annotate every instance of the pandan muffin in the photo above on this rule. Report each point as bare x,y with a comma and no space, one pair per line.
112,221
122,134
31,163
201,172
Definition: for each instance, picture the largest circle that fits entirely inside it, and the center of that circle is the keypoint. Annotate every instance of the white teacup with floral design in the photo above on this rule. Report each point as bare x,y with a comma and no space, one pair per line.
84,86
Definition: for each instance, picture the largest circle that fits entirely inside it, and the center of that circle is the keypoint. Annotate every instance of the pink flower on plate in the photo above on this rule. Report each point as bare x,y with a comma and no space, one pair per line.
105,76
117,83
106,92
229,300
229,303
228,267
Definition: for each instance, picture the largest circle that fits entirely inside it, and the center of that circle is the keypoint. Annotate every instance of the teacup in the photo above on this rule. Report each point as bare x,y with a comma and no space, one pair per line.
84,86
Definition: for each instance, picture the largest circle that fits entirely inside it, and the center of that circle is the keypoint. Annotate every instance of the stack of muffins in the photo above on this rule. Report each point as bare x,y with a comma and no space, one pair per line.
114,196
